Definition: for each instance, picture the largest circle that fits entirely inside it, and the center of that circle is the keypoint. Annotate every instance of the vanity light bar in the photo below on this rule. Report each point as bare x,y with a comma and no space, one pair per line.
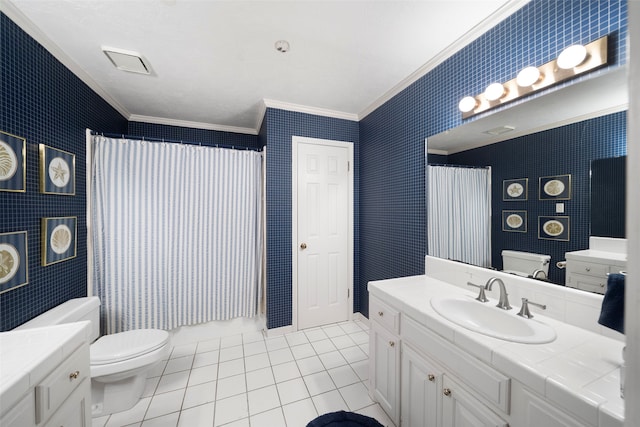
548,74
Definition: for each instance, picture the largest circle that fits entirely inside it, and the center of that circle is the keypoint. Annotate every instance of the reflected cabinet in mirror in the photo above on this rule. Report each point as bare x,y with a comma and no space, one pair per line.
542,199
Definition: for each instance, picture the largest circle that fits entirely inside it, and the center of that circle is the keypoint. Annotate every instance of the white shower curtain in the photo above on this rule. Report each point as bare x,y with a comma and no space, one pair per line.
459,214
177,233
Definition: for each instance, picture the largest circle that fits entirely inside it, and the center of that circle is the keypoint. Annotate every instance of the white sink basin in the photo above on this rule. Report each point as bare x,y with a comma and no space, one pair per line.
487,319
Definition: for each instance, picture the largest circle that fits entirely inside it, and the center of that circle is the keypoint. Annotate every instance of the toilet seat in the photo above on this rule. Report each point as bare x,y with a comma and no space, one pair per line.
123,346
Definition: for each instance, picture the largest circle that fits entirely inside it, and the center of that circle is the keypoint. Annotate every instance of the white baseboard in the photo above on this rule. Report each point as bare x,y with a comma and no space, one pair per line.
279,331
216,329
359,317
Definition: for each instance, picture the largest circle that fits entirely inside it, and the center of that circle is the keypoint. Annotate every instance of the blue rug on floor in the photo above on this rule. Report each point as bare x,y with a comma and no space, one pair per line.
343,419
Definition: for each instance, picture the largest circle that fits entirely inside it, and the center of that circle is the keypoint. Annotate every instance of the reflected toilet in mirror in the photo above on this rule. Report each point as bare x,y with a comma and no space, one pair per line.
526,264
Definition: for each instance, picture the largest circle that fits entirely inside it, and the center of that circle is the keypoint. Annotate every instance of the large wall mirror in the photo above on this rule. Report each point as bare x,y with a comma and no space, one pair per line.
549,146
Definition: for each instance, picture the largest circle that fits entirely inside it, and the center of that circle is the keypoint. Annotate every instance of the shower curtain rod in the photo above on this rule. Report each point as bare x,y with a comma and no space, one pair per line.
174,141
458,166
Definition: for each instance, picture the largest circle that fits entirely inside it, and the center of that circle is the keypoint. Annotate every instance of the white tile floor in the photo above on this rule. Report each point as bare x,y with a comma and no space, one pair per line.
250,380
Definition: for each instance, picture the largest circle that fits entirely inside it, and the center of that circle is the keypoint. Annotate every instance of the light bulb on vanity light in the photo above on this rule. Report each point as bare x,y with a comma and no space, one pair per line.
528,77
572,56
494,91
468,103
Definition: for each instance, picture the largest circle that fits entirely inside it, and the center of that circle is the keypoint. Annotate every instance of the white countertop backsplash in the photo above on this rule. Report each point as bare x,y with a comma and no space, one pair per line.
579,371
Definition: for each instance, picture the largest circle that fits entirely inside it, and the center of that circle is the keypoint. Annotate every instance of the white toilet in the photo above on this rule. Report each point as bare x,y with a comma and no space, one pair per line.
525,263
119,362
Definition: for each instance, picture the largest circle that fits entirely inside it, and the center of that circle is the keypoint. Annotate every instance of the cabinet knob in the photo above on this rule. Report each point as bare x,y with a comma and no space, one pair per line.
431,377
392,344
587,268
602,285
74,375
380,313
446,392
303,246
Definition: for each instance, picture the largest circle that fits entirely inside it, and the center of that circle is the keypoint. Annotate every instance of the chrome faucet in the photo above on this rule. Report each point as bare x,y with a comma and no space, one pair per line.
538,271
524,310
503,302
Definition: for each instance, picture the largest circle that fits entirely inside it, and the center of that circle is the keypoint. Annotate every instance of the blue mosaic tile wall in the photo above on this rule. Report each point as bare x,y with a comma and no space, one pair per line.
278,128
46,103
192,135
392,170
560,151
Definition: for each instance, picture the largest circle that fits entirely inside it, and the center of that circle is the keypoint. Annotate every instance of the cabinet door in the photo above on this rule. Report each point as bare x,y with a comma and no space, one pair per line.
420,390
460,408
76,410
384,370
22,413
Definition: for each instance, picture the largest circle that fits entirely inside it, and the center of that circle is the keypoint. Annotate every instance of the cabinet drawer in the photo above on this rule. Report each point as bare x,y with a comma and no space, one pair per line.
488,382
55,388
384,315
587,283
587,268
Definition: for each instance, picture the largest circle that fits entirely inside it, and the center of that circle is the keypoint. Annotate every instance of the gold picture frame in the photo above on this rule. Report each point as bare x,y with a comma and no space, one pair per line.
58,240
13,170
57,171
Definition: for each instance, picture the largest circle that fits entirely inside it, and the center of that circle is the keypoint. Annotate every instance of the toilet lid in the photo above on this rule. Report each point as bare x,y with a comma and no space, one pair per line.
126,345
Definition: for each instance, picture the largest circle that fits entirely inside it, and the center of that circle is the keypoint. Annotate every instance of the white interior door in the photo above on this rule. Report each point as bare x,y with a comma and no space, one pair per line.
323,276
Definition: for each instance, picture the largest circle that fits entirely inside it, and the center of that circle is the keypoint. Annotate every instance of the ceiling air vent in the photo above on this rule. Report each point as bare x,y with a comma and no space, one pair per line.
126,60
499,130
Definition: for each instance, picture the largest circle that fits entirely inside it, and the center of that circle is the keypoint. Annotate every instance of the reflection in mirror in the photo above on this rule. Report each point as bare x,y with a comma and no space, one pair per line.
555,223
608,195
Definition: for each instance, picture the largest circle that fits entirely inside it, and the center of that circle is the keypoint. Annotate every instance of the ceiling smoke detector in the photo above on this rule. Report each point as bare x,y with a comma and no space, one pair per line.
282,46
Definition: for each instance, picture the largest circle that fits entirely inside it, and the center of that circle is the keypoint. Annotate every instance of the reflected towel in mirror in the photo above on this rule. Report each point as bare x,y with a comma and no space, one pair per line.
612,312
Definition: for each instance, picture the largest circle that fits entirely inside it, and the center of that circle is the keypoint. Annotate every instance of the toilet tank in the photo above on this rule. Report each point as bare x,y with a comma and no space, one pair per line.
73,310
524,263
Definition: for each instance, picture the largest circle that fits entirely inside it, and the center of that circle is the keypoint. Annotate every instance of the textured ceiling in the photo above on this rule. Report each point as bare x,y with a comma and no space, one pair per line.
214,62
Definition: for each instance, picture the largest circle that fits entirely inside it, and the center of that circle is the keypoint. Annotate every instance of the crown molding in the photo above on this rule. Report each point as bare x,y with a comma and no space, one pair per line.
32,30
270,103
494,19
439,152
262,111
188,124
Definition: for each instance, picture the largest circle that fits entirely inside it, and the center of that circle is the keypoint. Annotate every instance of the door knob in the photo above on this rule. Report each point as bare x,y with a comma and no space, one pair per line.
303,246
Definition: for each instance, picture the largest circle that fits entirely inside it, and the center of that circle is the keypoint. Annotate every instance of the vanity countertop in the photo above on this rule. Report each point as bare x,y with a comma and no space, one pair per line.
27,356
588,255
579,371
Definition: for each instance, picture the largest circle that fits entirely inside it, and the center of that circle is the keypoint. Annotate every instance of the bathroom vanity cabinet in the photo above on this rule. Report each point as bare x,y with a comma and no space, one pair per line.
45,377
430,395
588,270
428,372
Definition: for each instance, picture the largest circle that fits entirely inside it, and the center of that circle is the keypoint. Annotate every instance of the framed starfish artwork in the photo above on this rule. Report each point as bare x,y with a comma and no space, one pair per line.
57,171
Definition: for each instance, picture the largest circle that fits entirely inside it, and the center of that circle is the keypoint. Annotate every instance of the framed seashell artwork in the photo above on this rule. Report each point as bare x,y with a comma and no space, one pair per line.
556,187
514,221
58,239
12,163
553,228
57,171
14,263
